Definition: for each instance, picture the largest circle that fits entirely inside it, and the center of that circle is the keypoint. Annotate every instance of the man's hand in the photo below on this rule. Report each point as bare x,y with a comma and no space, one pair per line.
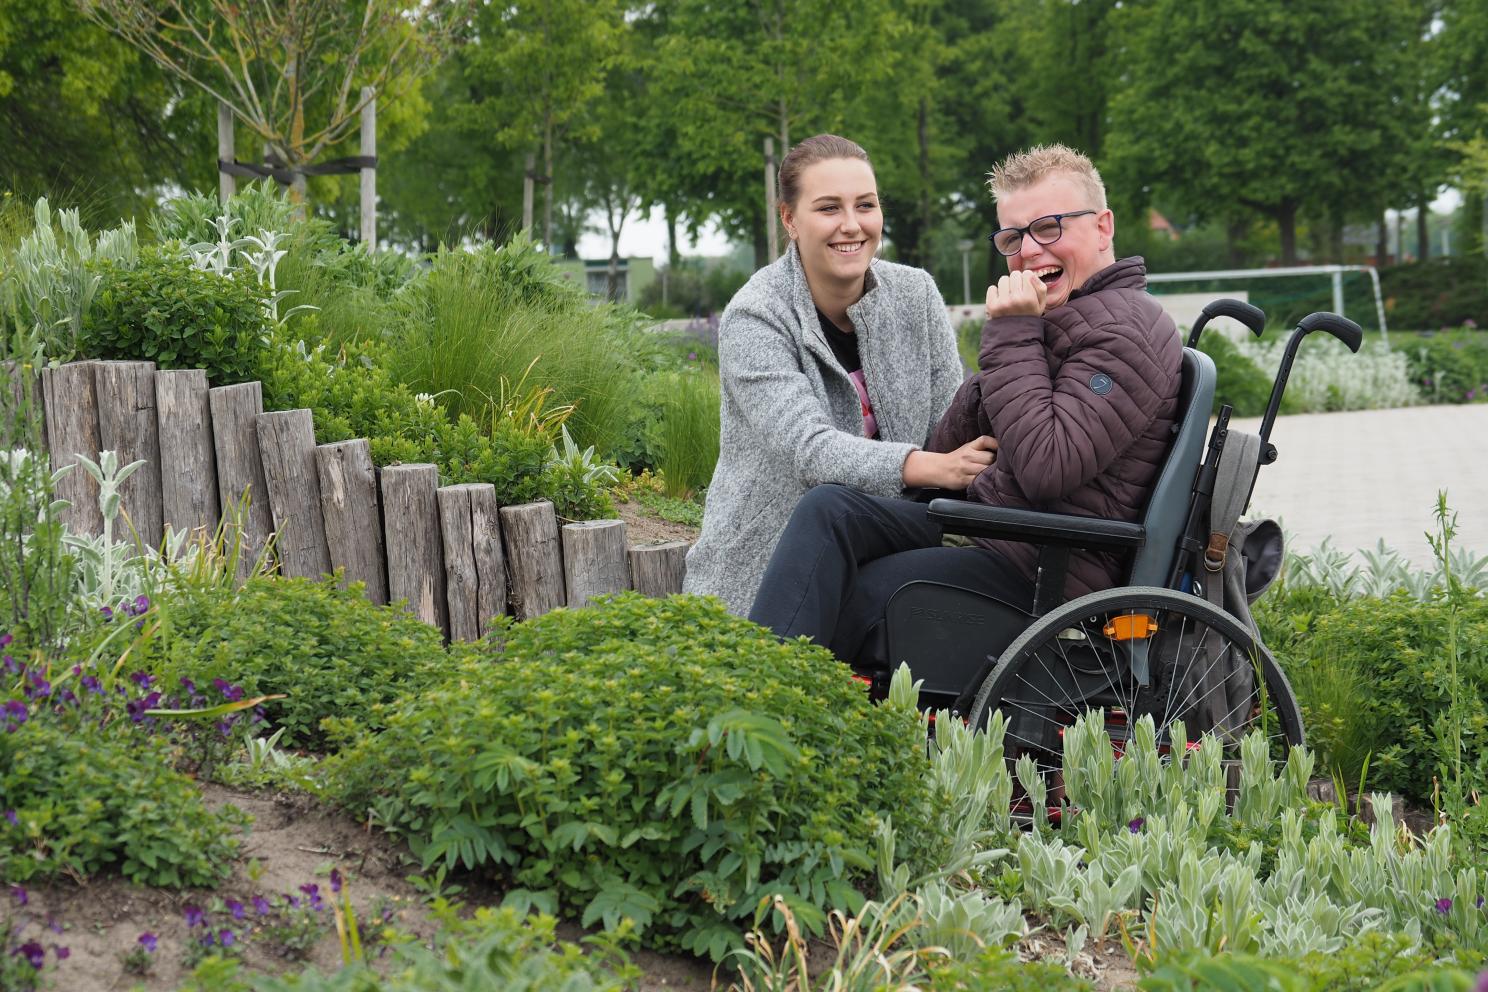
952,470
1017,294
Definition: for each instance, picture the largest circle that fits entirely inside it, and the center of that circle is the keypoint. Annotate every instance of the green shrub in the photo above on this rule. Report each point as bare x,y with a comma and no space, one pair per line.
329,650
1371,962
497,949
1242,384
997,968
1396,650
1450,367
87,785
1439,292
167,311
353,394
657,760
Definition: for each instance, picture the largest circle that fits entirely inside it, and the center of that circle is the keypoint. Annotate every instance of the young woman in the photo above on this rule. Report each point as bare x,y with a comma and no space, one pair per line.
836,365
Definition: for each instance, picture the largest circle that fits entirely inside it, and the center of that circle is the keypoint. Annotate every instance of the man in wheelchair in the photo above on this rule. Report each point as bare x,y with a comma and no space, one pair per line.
1078,382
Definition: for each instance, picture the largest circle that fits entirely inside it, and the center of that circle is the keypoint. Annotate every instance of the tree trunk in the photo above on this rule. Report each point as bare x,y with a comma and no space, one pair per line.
673,255
922,133
1286,220
1381,240
1234,231
548,188
1423,217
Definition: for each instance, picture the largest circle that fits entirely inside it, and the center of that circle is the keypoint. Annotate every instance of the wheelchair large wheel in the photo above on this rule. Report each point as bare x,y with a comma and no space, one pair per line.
1083,656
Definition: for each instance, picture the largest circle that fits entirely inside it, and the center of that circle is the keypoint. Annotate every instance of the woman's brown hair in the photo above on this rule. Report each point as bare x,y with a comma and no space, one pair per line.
817,148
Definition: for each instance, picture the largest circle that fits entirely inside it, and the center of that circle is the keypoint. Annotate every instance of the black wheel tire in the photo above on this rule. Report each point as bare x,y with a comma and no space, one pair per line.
1046,656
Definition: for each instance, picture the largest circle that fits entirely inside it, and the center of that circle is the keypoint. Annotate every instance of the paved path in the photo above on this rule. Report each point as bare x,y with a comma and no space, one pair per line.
1375,473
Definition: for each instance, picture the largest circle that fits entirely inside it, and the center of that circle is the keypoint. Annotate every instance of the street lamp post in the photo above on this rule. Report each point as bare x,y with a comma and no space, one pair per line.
966,246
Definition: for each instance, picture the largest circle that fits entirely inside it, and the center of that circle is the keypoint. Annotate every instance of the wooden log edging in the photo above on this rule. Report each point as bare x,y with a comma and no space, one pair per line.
127,426
415,549
188,465
286,442
352,515
595,560
71,404
240,471
534,559
657,569
474,562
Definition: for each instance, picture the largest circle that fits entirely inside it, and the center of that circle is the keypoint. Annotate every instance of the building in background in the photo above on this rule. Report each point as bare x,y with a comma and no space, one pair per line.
631,280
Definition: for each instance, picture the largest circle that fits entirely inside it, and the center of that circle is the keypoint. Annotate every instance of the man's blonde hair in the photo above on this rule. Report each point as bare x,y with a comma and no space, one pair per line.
1025,168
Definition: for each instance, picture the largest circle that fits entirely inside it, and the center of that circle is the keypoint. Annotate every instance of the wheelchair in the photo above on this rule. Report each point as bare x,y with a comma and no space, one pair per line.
1157,646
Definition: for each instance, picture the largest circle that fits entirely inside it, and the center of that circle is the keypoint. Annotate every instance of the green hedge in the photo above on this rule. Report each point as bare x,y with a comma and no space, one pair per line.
659,760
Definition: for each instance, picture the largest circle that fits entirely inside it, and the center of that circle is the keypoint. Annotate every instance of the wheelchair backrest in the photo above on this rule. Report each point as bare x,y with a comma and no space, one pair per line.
1167,510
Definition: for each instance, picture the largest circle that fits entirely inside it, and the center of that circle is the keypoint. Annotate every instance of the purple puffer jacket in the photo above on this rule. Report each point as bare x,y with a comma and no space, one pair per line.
1082,402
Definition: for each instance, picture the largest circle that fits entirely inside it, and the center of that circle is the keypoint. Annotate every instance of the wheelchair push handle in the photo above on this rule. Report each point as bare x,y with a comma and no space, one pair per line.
1251,316
1345,330
1341,328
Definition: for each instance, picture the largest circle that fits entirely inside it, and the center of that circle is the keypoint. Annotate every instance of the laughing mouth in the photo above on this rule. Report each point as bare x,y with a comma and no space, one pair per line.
1049,274
848,247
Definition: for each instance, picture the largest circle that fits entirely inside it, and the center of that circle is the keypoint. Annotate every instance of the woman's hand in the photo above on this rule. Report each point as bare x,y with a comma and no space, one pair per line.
951,470
1017,294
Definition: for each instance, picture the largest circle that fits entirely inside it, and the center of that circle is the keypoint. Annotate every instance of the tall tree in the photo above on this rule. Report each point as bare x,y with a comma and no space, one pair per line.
293,71
88,119
536,69
1284,103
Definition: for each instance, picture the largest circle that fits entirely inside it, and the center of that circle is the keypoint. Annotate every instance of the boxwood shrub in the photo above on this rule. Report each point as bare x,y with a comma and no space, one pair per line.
167,311
659,760
329,650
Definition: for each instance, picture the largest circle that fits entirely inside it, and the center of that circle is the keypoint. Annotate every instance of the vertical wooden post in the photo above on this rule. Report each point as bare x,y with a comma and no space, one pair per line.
369,173
528,176
353,523
595,561
286,442
226,184
127,425
72,429
772,214
24,412
474,565
188,474
534,561
657,569
415,549
240,469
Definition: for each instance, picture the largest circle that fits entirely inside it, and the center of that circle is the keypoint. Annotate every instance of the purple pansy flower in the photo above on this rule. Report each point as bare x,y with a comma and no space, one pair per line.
261,906
5,640
142,679
236,909
63,953
1444,906
232,693
312,893
91,683
137,707
1135,826
12,666
141,604
108,614
15,714
335,879
227,938
194,916
20,895
149,942
33,952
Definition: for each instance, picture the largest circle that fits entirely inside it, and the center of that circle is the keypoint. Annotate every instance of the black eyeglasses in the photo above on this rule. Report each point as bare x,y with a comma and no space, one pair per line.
1044,230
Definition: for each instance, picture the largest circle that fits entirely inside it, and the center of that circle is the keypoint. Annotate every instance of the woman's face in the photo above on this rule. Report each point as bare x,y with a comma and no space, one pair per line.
835,221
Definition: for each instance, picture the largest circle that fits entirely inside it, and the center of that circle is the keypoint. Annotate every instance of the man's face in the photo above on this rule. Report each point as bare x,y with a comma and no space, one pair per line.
1083,248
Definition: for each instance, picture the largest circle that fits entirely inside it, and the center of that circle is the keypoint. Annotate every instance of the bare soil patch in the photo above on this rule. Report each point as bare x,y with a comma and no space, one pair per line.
641,527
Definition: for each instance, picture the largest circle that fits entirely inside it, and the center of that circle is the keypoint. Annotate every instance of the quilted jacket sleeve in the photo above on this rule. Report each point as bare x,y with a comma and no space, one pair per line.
1065,401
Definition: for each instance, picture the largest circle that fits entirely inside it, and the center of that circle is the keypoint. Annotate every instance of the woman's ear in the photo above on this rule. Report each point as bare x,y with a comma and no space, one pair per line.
788,221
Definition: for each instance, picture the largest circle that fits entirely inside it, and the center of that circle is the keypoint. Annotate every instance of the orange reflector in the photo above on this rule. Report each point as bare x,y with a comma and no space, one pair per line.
1130,628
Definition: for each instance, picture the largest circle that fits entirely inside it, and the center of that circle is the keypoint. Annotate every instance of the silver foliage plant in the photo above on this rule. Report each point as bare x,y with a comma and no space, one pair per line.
1328,377
1384,571
1134,852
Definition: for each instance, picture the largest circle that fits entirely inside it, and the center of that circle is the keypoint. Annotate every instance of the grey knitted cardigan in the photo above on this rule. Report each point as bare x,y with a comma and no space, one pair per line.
792,418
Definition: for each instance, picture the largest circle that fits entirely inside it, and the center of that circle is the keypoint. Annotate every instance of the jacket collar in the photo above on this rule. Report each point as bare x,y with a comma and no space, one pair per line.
1124,273
805,306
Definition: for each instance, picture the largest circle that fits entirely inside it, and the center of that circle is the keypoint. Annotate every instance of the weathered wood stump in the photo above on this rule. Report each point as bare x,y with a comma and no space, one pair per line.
71,404
353,522
657,569
23,421
127,425
240,477
595,559
188,475
286,442
534,559
415,549
474,563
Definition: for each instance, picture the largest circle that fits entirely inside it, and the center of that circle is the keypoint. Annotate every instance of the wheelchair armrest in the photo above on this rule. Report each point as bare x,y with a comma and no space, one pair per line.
1034,527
